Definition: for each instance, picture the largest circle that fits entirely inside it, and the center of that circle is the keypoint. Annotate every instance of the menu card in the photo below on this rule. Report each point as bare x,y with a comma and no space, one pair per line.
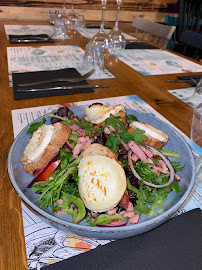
45,244
156,62
31,30
186,95
39,58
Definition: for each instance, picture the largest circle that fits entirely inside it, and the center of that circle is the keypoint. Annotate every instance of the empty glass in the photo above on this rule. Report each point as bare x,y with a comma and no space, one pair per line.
93,58
81,21
60,29
53,16
117,41
101,38
196,136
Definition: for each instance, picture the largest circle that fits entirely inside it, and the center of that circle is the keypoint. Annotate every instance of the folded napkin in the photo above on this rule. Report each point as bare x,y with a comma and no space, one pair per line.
96,26
190,77
42,38
175,245
28,77
139,45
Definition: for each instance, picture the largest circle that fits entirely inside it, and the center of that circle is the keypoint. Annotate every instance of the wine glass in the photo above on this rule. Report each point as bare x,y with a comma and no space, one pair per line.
196,137
116,37
101,38
73,16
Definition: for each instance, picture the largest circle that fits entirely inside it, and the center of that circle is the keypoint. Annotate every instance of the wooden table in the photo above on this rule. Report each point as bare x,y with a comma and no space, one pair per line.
152,89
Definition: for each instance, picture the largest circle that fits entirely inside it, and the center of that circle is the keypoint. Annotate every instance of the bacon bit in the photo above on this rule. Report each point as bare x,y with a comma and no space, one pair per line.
60,201
115,222
134,157
61,212
135,219
177,177
130,207
111,212
138,152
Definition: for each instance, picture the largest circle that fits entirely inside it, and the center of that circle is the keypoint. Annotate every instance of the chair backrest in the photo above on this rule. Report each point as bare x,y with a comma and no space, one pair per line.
190,16
158,34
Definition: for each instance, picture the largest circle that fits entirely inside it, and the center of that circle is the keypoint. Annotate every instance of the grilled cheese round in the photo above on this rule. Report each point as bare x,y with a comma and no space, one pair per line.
102,182
97,113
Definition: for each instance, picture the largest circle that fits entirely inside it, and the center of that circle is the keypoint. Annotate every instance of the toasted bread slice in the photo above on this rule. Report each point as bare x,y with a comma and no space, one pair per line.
97,113
98,149
61,134
155,137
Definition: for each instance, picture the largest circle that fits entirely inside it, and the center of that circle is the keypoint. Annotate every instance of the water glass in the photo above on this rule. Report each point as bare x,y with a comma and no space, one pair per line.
93,58
196,136
53,16
81,21
60,28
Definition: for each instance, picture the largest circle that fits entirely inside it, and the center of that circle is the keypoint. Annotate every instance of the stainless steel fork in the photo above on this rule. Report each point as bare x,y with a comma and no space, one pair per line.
76,79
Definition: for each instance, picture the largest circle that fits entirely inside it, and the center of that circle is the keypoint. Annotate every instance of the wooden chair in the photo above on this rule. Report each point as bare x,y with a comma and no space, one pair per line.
158,34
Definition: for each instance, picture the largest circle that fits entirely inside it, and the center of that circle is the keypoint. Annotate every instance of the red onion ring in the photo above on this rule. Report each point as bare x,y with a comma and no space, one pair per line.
43,170
68,146
123,223
167,162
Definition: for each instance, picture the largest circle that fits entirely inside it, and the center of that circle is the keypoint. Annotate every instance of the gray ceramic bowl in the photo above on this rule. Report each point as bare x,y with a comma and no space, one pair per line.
20,180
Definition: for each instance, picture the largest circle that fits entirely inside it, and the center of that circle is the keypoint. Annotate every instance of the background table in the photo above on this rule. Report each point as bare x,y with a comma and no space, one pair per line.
152,89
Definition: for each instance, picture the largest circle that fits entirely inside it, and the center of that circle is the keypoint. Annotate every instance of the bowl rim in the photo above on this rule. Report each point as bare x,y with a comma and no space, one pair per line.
169,213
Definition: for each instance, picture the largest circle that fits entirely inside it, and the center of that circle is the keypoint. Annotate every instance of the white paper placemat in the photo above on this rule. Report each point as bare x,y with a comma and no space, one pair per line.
157,62
38,58
186,95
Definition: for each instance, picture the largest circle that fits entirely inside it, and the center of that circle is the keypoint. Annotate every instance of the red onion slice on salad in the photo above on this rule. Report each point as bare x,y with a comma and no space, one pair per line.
123,223
167,162
43,170
68,146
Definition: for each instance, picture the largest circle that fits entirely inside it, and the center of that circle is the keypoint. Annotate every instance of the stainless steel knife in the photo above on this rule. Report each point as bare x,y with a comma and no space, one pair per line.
179,80
61,88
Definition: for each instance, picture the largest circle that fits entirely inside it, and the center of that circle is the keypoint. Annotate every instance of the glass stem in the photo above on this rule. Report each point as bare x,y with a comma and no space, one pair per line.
64,5
72,6
117,14
102,18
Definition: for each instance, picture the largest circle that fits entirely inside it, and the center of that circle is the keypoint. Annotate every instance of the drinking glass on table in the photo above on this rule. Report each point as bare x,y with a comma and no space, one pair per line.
196,136
93,58
60,28
117,41
101,38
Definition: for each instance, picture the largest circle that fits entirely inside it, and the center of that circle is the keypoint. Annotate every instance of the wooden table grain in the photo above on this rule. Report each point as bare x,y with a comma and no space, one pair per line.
152,89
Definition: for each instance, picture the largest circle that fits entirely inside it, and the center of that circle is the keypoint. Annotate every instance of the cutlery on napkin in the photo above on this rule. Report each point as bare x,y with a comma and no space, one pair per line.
41,38
61,88
138,45
190,79
26,77
175,245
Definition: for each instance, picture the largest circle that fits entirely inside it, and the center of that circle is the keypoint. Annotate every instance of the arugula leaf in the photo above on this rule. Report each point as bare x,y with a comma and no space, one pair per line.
130,118
33,127
176,166
115,122
88,128
113,143
68,199
137,136
170,153
106,219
